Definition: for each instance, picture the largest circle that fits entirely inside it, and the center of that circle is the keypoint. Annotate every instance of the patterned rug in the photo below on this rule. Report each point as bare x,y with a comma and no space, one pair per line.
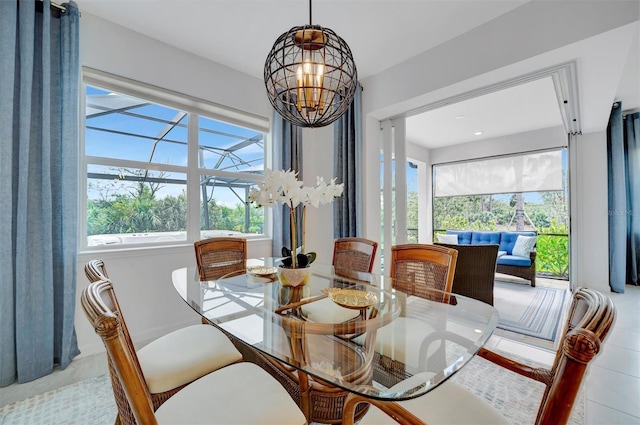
86,402
91,401
527,310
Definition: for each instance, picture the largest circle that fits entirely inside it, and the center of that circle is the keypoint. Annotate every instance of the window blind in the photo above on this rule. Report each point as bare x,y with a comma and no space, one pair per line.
531,172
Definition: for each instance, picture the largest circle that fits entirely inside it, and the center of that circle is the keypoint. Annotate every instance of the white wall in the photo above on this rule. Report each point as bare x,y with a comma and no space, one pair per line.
317,147
516,143
589,212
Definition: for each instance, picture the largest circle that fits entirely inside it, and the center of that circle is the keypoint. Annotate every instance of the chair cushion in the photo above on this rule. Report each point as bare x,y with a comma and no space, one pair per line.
508,240
448,404
241,393
514,260
464,237
485,238
184,355
326,311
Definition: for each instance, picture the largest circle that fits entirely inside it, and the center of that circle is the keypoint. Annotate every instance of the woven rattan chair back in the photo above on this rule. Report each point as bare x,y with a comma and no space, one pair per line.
217,257
418,269
354,254
96,270
101,307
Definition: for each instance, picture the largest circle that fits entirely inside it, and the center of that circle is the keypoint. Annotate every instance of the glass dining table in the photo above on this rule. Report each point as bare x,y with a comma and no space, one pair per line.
342,332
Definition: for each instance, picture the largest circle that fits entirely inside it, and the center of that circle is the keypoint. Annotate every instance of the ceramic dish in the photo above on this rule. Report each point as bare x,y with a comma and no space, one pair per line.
262,270
351,298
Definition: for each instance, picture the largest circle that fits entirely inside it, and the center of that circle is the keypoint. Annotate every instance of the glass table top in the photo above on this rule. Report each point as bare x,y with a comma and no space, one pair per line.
350,330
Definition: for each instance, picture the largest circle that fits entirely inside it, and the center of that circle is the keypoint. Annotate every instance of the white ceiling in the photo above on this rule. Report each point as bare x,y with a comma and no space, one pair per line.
380,33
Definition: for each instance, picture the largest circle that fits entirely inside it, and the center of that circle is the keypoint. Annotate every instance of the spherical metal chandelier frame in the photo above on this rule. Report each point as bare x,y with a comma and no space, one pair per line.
310,76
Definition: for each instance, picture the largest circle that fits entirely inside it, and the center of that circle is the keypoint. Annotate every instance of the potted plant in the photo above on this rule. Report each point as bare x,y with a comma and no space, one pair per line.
283,187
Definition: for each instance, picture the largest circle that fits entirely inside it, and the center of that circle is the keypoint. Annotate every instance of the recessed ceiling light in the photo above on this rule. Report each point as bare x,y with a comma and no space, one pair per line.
477,133
459,117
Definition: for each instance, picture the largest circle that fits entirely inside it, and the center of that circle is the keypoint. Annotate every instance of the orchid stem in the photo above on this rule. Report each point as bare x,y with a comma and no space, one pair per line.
292,223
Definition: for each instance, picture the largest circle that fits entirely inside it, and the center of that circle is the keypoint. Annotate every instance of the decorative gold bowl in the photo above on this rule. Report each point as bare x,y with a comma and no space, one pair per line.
262,270
351,298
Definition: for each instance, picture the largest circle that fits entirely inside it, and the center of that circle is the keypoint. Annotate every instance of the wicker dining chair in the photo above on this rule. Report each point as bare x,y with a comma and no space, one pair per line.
425,271
355,254
420,268
239,393
590,318
171,361
219,256
351,258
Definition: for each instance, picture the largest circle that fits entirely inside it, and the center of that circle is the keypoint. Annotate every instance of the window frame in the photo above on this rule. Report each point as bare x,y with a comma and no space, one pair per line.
194,108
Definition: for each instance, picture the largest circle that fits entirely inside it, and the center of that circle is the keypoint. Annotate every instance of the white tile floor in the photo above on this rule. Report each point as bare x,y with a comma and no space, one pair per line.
612,386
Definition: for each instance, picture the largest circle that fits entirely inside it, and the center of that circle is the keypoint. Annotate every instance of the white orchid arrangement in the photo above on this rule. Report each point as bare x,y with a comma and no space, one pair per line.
284,187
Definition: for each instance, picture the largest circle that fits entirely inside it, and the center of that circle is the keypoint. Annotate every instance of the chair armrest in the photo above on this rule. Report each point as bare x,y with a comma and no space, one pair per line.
539,374
394,410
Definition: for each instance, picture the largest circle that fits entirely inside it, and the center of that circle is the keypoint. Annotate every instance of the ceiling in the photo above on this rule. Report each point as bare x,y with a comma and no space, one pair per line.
380,33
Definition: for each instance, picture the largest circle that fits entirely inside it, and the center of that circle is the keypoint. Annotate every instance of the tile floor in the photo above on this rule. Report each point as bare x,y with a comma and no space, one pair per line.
612,386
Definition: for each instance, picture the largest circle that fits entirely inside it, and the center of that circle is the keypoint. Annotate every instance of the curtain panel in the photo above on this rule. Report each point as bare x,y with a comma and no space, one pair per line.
287,155
39,83
623,166
347,151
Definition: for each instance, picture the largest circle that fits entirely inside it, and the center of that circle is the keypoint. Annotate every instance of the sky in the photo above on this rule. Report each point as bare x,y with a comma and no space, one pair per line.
132,137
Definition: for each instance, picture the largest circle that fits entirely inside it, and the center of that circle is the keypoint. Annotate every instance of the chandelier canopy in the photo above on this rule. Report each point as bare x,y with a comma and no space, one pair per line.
310,75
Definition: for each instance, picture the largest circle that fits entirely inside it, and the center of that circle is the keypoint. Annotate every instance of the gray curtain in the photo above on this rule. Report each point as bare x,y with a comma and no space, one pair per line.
347,148
623,155
287,155
39,82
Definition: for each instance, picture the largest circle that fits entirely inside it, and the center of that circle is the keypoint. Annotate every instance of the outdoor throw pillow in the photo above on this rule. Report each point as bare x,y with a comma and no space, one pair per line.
524,245
450,239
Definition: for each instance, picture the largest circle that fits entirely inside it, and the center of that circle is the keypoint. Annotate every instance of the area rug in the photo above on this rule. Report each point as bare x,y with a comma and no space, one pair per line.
86,402
91,401
527,310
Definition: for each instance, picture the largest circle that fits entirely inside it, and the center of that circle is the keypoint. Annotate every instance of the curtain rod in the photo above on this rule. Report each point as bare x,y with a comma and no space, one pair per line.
59,7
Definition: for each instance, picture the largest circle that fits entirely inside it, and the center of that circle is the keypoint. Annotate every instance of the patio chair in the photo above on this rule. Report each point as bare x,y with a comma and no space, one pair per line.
590,318
219,256
475,271
240,393
171,361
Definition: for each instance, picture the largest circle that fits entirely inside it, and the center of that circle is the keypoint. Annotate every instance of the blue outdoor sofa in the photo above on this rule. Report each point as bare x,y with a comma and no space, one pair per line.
520,264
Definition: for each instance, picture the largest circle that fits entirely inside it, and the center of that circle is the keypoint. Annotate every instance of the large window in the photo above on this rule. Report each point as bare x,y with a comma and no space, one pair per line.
515,192
161,167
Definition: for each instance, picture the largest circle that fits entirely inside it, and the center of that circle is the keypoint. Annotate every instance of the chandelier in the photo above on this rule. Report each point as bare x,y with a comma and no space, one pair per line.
310,75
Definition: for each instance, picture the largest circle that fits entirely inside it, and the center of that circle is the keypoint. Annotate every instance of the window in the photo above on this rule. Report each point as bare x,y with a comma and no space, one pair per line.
162,167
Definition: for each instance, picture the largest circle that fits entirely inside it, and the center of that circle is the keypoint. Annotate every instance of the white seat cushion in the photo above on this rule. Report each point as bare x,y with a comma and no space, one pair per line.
184,355
450,404
242,393
326,311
